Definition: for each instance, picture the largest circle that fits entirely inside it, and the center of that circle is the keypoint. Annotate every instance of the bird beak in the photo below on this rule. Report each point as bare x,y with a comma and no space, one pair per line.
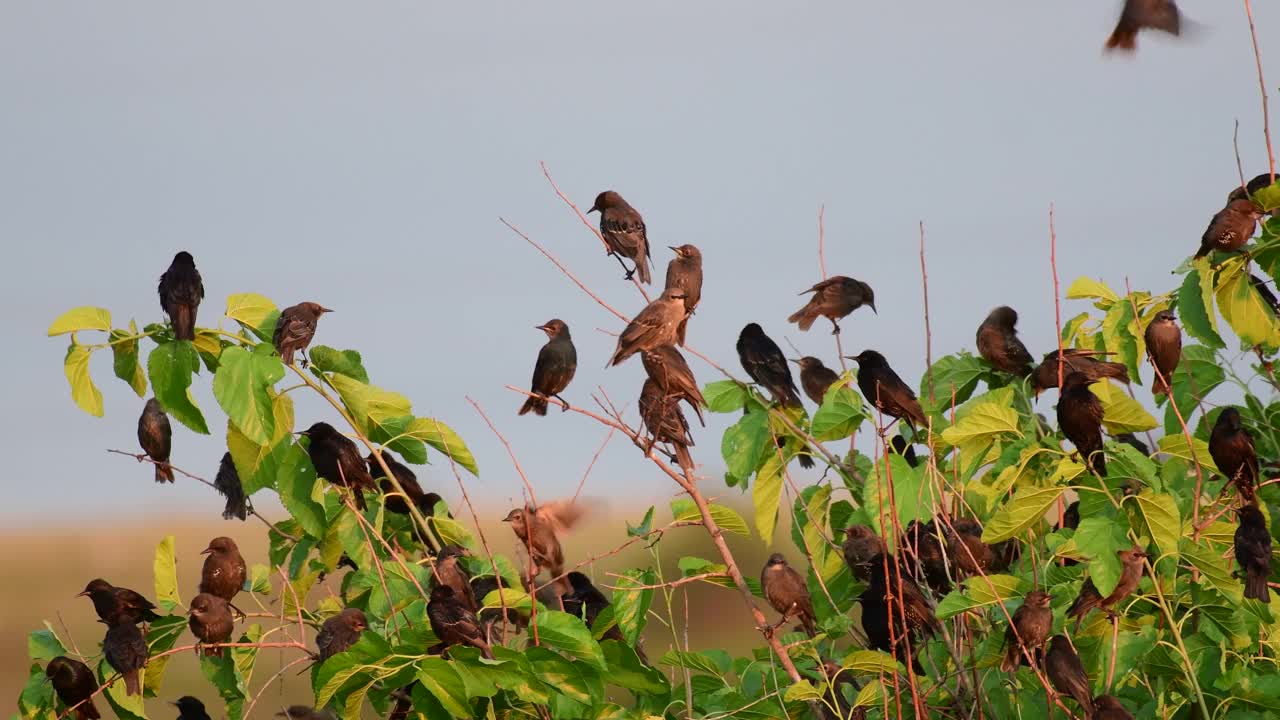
86,592
873,308
324,310
674,249
543,328
593,209
793,360
206,551
851,357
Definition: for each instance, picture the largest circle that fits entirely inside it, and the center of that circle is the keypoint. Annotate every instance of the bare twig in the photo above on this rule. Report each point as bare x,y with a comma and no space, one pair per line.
1262,87
928,334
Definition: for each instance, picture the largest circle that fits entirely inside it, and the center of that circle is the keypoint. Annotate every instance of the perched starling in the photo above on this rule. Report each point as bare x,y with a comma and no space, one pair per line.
685,273
1106,707
295,329
180,294
339,632
899,445
1089,597
882,387
1164,349
834,298
1264,291
764,362
227,482
552,373
492,618
1080,418
912,617
668,368
190,708
665,423
587,602
224,570
210,622
539,528
861,547
966,550
156,438
1231,447
75,684
1067,674
1230,228
126,651
302,712
624,233
926,558
1253,552
999,345
1029,629
1078,360
450,571
453,623
653,327
119,605
816,378
786,592
1143,15
1257,183
395,502
1071,517
337,460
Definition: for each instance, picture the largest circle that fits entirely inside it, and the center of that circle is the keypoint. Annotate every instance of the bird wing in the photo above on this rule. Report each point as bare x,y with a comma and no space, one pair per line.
562,515
625,232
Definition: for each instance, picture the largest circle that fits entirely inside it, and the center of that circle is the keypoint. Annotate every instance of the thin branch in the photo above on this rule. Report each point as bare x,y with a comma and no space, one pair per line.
592,464
1262,87
928,334
565,270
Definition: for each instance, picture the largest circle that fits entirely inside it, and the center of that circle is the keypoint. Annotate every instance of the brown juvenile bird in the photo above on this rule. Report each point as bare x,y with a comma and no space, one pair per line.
624,233
764,362
75,684
861,547
656,325
339,632
815,378
1089,597
224,571
786,592
1067,674
190,708
1080,418
395,502
1230,228
882,387
126,652
210,622
156,438
834,298
668,368
118,605
180,294
999,345
1078,360
453,622
295,329
1253,552
337,460
1164,349
552,373
450,571
665,423
1106,707
1231,447
685,272
966,550
227,482
925,558
539,528
1029,629
1143,15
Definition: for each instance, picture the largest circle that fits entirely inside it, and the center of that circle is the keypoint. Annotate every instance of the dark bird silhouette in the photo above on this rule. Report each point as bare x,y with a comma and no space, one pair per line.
656,325
900,446
156,438
999,345
224,571
1132,441
295,329
1078,360
787,593
966,550
1090,599
1106,707
861,547
539,532
925,557
180,294
1164,349
685,272
816,378
1264,291
339,632
1230,228
912,617
227,482
190,708
587,602
1140,15
302,712
1067,674
1231,447
552,373
211,622
669,370
764,362
1071,517
1080,418
1253,552
75,684
665,423
1257,183
624,233
450,571
834,299
882,387
118,605
492,618
395,502
126,651
837,698
1030,628
453,622
337,460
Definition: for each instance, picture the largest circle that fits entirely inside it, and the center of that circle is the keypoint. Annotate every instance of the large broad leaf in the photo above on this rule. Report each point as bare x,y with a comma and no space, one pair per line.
1118,335
162,635
345,362
254,312
980,592
1176,445
295,481
1163,520
840,415
744,442
1085,288
727,518
952,373
766,494
441,680
81,318
384,416
44,644
1249,316
567,634
166,575
257,464
170,367
626,670
900,487
979,428
242,387
127,707
1195,305
1027,507
1121,413
83,391
124,359
442,437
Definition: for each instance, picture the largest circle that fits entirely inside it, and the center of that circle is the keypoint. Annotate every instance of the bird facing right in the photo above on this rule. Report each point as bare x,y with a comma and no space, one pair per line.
1164,349
295,328
1230,228
999,345
453,622
786,591
834,298
339,632
882,387
1231,447
1030,628
552,373
1067,674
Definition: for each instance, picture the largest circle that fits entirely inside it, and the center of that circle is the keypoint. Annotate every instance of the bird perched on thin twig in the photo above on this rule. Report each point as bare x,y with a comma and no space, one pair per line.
1106,707
211,622
1029,629
224,571
75,684
118,605
786,592
1253,552
656,325
685,272
190,708
453,622
999,345
816,378
665,423
1090,599
1230,228
1080,417
181,291
395,502
1078,360
587,602
1067,674
450,571
764,362
882,387
834,298
891,596
126,650
1164,349
339,632
552,373
227,483
1232,450
295,328
624,233
539,531
337,460
1140,15
924,557
669,370
156,438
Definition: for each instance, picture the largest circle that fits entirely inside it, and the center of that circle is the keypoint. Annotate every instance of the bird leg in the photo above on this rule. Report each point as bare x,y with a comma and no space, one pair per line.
239,613
629,272
306,362
565,408
836,326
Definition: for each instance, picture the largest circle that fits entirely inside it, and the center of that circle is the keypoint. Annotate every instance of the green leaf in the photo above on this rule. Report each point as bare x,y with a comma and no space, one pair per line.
1118,335
980,592
1249,316
1268,198
983,422
1215,572
645,526
81,318
166,574
1176,445
567,634
257,464
727,518
345,362
36,701
631,603
1121,413
295,481
725,396
441,680
1195,305
840,415
162,635
626,670
871,662
959,372
124,359
442,437
1085,287
1163,520
242,387
564,677
911,499
744,441
254,312
803,691
44,644
1027,507
83,391
766,494
170,367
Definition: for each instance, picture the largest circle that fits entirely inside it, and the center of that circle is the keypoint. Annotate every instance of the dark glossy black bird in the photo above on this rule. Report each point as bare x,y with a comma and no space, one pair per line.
1253,552
453,622
1080,418
211,622
786,591
685,272
668,368
587,602
552,373
1140,15
656,325
1030,628
882,387
815,378
539,532
1257,183
339,632
180,294
395,502
75,684
764,362
337,460
665,423
912,617
1067,674
925,557
126,652
1078,360
190,708
900,446
224,571
227,483
118,605
450,571
999,345
1231,447
834,298
156,438
1164,349
1090,599
624,233
1230,228
1106,707
295,329
1264,291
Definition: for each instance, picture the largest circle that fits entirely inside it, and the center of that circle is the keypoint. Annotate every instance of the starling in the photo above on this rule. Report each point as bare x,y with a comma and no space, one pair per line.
816,378
1231,447
1264,291
180,294
156,438
587,602
668,368
1078,360
1106,707
1257,183
922,545
450,571
126,651
302,712
224,570
764,362
339,632
119,605
1164,349
1230,228
786,592
190,708
685,272
557,361
453,623
654,326
834,298
337,460
623,232
210,622
395,502
966,550
227,482
899,446
890,596
75,684
1080,417
492,618
882,387
1071,517
1029,629
665,423
862,546
1067,674
1253,552
1089,597
539,528
1143,15
999,345
295,329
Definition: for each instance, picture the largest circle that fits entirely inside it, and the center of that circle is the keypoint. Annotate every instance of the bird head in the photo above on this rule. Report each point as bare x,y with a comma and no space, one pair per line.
95,585
1248,513
1075,380
752,330
187,704
1003,316
201,604
686,251
1038,599
318,430
315,308
554,327
59,667
184,258
1165,316
776,560
580,583
354,619
452,551
870,296
604,201
868,357
515,516
220,545
807,362
1230,419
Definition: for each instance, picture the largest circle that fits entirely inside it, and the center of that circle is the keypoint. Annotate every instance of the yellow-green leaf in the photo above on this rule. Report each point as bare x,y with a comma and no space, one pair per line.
81,318
1163,520
982,421
443,438
1176,445
1121,413
165,568
1024,509
1086,287
1249,316
251,309
83,391
728,519
766,493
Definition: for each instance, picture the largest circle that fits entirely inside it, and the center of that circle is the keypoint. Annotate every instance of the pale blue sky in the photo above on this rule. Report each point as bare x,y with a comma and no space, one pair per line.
360,154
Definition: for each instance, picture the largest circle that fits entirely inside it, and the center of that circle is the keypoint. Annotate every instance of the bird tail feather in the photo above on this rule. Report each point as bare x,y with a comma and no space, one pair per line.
642,270
132,685
87,711
1115,370
1255,587
164,473
1125,40
537,404
803,318
1159,386
184,322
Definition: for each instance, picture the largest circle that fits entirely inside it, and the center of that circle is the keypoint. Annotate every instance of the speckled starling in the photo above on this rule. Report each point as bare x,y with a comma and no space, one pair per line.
999,345
295,329
1230,228
224,571
624,233
882,387
764,362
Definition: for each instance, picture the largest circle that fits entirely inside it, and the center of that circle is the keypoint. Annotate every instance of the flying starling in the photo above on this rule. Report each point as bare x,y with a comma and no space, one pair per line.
1143,15
453,622
882,387
816,378
210,622
190,708
450,571
764,362
861,547
656,325
834,298
665,423
339,632
119,605
1106,707
539,528
180,294
1164,349
668,368
967,551
587,602
295,329
624,233
337,460
126,652
786,592
1030,628
557,361
1078,360
1253,552
1230,228
75,684
928,559
1080,418
224,570
156,438
1231,447
999,345
395,502
227,482
1067,674
685,272
1089,597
